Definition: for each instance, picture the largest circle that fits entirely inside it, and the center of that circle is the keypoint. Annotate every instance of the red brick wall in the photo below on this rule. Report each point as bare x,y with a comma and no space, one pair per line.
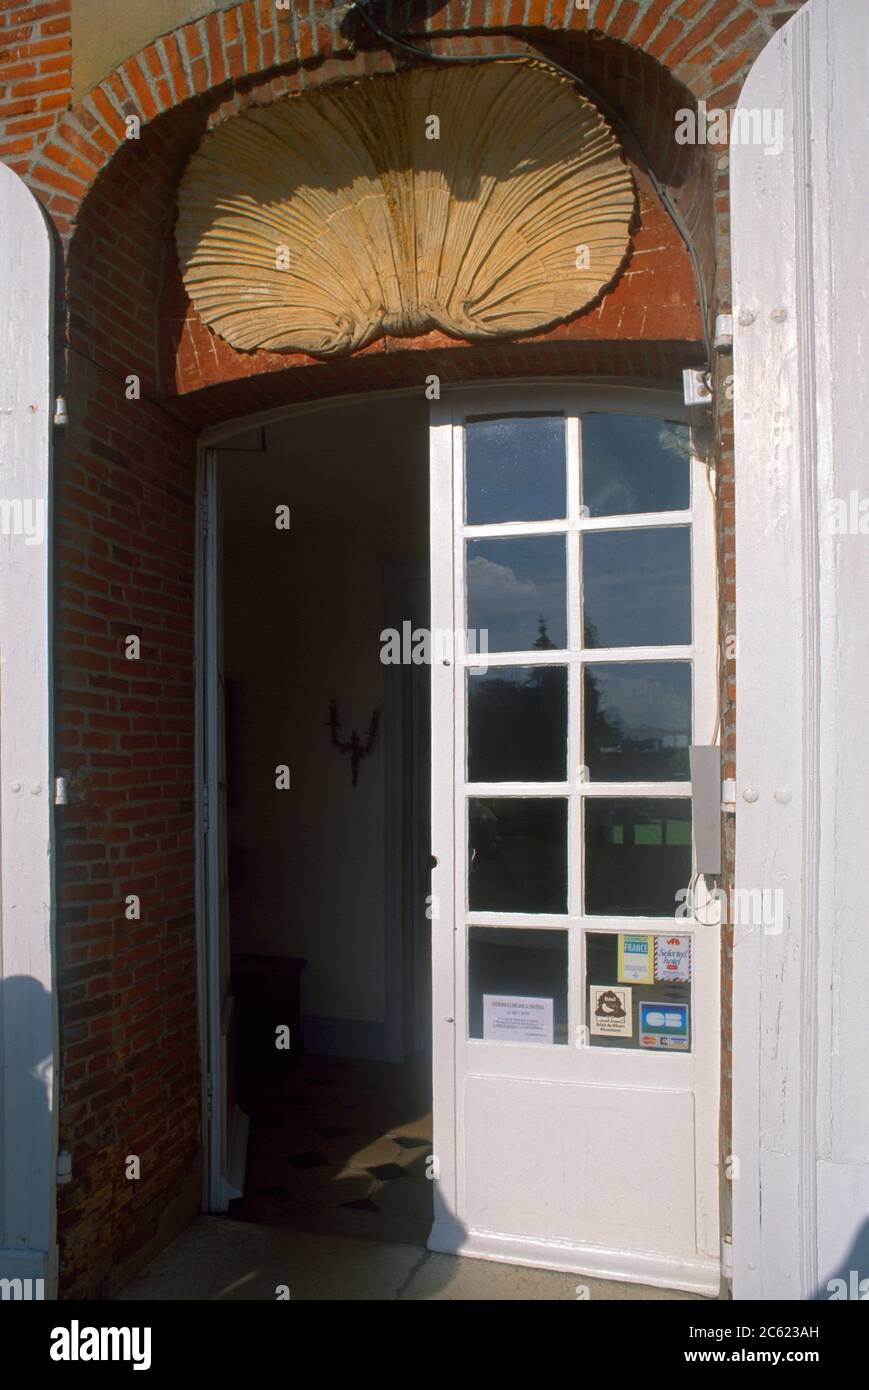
124,526
35,77
125,478
124,474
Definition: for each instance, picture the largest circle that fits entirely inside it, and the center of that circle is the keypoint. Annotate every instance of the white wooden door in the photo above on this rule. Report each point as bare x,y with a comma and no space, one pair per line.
575,1091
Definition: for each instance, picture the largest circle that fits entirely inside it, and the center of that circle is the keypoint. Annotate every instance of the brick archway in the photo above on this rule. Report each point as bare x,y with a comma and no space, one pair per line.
646,58
126,301
706,45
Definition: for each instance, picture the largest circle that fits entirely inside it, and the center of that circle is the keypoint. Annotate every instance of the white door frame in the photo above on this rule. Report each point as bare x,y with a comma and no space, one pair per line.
28,980
800,1022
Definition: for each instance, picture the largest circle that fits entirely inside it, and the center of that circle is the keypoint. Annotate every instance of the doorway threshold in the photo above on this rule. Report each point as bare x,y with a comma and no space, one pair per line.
224,1260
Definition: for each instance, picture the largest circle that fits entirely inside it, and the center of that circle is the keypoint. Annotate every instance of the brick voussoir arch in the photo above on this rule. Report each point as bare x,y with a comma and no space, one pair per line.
708,45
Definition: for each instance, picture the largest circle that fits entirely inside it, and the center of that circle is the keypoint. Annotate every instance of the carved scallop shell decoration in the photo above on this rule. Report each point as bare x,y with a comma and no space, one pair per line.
332,218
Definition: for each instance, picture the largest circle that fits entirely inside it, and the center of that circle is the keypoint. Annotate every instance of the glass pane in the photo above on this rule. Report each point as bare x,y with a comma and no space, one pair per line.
629,1006
517,593
515,469
517,985
637,587
517,854
517,724
638,721
637,855
633,463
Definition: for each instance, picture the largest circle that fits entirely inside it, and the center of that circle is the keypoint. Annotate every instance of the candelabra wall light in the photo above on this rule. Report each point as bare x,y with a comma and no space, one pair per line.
354,745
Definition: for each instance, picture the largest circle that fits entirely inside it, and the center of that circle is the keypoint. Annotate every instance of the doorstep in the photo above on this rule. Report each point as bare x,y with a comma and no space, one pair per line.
216,1258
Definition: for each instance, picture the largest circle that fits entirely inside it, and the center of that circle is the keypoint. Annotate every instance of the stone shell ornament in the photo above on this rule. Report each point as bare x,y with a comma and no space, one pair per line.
329,219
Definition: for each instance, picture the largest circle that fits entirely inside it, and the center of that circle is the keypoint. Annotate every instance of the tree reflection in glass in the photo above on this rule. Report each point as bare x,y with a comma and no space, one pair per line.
637,721
517,855
515,584
517,724
634,463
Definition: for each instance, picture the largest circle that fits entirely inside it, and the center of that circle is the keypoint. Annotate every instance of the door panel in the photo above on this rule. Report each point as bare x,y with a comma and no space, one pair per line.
554,1135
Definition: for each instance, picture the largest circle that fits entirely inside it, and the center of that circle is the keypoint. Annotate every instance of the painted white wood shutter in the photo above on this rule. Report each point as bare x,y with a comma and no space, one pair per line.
28,1107
801,994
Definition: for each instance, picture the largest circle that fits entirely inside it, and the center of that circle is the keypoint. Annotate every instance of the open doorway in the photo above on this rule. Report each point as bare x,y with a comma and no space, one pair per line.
571,527
324,814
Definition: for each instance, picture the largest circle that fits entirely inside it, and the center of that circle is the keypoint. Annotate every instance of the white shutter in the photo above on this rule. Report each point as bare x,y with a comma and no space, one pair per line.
801,997
28,1110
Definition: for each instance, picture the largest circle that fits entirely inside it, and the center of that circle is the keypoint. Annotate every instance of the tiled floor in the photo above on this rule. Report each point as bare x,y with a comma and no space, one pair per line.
340,1146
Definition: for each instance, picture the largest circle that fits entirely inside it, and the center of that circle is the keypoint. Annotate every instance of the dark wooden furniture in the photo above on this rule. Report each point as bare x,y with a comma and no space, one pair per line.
266,990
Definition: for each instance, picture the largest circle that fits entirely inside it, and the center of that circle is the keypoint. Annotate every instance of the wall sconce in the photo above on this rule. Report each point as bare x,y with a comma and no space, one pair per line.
354,745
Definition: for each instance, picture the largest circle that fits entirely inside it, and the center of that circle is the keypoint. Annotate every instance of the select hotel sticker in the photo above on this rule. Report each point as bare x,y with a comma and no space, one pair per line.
673,958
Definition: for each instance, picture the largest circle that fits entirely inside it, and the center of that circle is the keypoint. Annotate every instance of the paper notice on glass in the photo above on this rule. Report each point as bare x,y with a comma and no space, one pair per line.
512,1018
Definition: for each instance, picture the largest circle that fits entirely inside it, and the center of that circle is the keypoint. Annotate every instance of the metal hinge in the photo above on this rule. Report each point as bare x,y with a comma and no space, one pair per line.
208,1094
205,514
205,808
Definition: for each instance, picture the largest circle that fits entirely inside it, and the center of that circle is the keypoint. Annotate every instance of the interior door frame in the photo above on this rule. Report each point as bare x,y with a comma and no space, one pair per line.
215,1122
214,1118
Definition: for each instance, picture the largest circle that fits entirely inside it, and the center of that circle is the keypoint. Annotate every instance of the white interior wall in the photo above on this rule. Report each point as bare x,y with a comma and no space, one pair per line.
303,615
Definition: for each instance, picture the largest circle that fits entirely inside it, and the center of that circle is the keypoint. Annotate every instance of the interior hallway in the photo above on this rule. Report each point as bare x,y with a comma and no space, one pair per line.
340,1146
